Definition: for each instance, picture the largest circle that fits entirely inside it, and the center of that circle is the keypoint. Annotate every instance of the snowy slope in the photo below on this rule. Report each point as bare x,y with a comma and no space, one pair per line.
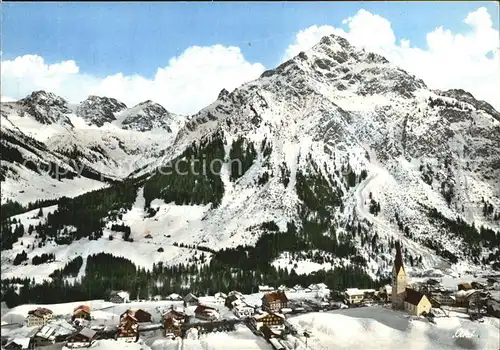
379,328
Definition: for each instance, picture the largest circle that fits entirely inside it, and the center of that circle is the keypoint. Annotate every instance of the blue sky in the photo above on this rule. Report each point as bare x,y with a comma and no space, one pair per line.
137,38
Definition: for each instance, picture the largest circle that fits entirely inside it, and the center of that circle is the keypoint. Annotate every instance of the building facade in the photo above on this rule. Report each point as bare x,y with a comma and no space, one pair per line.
274,301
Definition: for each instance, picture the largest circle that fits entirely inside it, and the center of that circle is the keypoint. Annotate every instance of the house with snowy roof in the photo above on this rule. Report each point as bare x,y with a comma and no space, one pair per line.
356,296
139,314
172,321
128,329
81,312
206,313
53,332
82,339
242,310
265,289
174,297
190,300
39,317
262,318
274,301
119,297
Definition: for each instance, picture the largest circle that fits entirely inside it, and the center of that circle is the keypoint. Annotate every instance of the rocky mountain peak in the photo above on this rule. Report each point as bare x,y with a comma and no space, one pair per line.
45,107
223,94
145,116
99,110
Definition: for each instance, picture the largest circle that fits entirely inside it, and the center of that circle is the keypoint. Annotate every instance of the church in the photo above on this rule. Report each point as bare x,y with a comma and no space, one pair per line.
404,298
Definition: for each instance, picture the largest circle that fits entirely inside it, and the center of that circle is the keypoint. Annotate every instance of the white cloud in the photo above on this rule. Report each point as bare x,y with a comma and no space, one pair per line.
188,83
470,60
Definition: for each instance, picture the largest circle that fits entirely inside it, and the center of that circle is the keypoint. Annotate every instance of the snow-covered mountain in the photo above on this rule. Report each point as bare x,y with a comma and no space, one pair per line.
100,134
337,149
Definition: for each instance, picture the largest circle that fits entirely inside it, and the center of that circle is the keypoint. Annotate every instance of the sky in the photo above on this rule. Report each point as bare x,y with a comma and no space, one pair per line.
181,54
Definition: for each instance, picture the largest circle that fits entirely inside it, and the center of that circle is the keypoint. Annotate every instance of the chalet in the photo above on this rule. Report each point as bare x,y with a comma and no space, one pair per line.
172,321
119,297
82,339
190,300
229,301
157,298
128,329
81,312
18,343
444,299
243,311
356,296
39,317
298,287
274,301
416,302
206,313
140,315
464,286
267,318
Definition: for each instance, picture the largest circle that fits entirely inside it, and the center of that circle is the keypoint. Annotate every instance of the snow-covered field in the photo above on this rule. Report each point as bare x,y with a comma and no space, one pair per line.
381,328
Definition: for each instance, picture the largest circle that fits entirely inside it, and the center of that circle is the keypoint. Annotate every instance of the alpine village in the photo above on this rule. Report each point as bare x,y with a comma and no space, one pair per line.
265,313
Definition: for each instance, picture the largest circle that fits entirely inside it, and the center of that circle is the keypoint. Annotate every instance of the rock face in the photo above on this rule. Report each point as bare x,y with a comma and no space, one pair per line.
99,110
403,160
45,107
147,116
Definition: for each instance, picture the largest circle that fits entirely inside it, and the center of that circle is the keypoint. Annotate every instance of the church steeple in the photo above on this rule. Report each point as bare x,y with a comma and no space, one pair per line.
398,279
398,262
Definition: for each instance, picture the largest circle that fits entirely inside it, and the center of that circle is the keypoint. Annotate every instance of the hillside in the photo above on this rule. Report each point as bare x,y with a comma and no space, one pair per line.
320,163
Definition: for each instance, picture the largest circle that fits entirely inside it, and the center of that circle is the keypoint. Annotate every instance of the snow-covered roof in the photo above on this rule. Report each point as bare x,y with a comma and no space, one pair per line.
124,295
322,286
22,342
174,296
265,288
46,332
356,291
